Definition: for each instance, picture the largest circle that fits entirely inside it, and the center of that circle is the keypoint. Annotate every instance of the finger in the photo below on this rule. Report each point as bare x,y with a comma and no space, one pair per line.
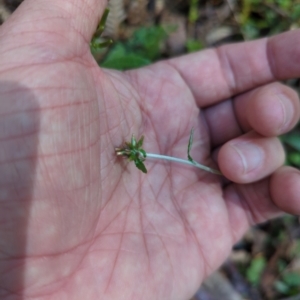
285,189
260,201
68,18
218,74
222,122
269,110
250,157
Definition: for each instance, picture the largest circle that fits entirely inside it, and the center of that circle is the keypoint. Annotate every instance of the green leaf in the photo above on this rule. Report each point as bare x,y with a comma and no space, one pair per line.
250,30
190,146
146,42
132,156
193,11
295,14
133,142
140,50
139,164
281,287
193,45
143,152
292,279
128,62
294,158
120,58
140,142
255,270
292,140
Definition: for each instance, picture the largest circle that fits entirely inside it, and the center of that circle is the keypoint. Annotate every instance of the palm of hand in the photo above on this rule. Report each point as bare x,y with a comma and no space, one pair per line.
88,213
94,224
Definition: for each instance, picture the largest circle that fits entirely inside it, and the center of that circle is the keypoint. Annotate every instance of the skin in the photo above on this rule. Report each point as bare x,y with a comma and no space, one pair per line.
77,222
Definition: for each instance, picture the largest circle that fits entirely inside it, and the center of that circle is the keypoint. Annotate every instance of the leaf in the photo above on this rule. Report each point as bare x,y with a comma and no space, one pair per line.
255,270
140,50
294,158
140,142
143,152
193,11
295,14
133,142
281,287
292,279
292,140
193,45
132,156
128,62
146,42
190,146
120,58
139,164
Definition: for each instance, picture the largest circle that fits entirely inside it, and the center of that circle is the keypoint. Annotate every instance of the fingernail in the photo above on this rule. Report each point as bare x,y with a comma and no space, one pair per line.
287,111
250,154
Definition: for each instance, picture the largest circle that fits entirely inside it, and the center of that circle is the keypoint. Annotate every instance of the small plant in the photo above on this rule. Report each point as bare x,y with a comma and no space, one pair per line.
96,42
134,152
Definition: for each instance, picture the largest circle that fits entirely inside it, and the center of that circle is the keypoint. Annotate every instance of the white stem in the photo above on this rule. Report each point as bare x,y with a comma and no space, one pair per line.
183,161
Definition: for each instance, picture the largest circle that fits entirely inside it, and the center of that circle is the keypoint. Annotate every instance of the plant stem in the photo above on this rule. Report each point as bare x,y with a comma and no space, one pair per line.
183,161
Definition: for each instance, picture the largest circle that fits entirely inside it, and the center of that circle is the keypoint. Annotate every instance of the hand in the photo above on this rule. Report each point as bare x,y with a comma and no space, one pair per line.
77,222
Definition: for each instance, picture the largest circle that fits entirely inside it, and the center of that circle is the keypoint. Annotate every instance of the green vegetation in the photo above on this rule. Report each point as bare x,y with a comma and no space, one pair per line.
193,11
140,50
267,17
193,45
255,270
289,284
292,145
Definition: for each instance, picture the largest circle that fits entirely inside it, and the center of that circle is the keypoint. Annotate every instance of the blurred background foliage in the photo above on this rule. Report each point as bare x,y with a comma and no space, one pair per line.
265,264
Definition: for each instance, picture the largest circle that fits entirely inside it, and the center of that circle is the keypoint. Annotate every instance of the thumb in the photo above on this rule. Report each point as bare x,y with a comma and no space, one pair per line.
73,20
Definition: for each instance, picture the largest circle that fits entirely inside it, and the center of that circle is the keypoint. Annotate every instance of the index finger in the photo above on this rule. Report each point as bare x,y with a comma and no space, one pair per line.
216,74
